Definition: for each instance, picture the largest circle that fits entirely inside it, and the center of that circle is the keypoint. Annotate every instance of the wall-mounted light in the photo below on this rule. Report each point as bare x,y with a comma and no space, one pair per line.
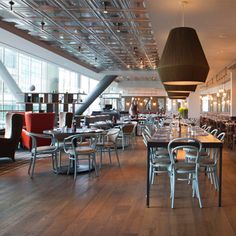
154,103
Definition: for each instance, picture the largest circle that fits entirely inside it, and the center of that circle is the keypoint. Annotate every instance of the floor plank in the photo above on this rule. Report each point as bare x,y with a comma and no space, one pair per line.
114,202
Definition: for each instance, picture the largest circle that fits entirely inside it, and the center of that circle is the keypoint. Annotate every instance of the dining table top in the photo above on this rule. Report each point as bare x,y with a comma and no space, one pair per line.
162,136
61,133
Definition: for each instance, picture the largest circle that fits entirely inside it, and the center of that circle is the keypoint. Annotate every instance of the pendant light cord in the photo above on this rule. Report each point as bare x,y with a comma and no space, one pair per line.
183,3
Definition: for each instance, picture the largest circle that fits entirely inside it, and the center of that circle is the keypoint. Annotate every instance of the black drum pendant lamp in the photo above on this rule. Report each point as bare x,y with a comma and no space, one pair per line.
183,61
177,97
171,94
180,88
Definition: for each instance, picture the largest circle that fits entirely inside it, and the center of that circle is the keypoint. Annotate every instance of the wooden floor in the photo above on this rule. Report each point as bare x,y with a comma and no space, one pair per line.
114,202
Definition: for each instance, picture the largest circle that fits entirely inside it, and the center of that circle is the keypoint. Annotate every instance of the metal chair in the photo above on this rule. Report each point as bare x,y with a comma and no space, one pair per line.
214,132
209,165
108,144
41,151
159,160
127,134
81,147
183,170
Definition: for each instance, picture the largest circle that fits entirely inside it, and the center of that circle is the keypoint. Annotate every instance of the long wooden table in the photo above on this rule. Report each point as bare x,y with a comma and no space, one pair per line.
162,138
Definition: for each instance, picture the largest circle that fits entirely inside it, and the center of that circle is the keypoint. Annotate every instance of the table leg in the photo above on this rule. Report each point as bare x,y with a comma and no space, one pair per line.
220,178
148,176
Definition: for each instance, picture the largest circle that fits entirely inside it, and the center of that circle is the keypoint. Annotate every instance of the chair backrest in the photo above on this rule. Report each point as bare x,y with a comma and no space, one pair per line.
221,136
112,135
183,143
128,128
146,136
78,140
204,126
65,119
208,129
14,124
37,123
214,132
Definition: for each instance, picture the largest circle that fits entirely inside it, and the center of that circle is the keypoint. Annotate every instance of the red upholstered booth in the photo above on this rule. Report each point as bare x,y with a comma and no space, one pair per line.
37,123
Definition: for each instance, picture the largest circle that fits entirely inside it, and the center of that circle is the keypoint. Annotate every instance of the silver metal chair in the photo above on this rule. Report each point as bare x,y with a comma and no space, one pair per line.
159,160
183,170
108,144
41,151
81,147
210,165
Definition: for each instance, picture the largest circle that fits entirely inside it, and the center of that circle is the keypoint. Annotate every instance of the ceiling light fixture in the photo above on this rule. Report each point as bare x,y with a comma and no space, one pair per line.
118,27
180,89
42,25
183,61
11,4
170,94
105,7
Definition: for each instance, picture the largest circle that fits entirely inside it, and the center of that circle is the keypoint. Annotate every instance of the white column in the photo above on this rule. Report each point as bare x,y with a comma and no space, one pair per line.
194,105
11,83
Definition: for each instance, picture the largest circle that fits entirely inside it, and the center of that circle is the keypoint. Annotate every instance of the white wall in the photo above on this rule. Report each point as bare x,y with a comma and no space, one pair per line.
142,88
233,93
14,41
194,105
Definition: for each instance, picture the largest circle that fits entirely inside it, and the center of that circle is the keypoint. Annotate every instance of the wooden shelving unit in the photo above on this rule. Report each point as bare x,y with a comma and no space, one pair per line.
52,102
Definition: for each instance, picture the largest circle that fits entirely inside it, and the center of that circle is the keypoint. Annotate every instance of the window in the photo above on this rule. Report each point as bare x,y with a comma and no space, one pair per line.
68,81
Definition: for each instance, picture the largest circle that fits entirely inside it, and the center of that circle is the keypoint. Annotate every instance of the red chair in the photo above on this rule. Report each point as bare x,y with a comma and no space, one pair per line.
37,123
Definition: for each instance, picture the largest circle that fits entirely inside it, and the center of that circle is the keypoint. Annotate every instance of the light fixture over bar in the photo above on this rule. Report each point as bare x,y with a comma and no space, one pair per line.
183,61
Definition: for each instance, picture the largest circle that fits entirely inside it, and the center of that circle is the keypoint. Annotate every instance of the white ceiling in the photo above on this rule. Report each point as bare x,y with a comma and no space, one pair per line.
214,21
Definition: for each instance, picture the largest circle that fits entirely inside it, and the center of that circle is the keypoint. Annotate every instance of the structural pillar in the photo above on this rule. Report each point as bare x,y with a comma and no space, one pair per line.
101,86
194,104
11,83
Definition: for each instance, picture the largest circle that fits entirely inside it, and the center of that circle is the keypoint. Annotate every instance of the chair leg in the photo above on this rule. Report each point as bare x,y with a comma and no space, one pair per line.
33,165
75,167
197,191
216,180
95,164
117,157
173,191
30,165
100,164
56,161
153,176
109,152
123,142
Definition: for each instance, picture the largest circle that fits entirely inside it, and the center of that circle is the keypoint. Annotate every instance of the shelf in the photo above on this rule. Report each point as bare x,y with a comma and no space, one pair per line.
52,102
